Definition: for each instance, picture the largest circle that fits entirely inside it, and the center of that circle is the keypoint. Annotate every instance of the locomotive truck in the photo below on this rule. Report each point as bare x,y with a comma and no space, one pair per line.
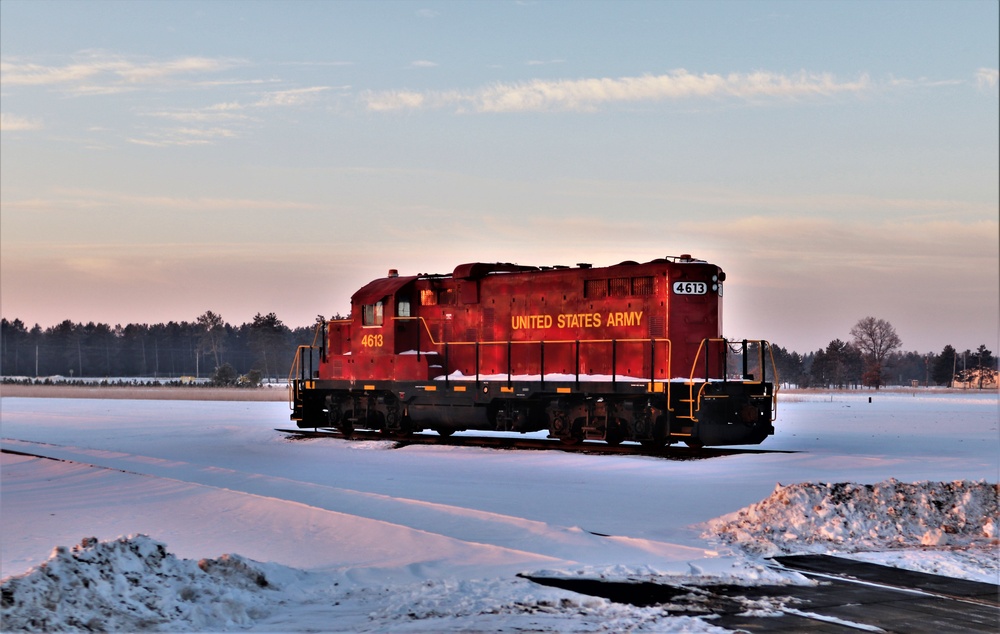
629,352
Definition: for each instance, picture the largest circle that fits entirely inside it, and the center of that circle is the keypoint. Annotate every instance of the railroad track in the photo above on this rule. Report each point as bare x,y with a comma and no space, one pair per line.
673,452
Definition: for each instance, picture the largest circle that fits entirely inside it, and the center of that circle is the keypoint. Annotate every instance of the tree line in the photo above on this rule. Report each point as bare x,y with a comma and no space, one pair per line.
263,348
873,358
207,347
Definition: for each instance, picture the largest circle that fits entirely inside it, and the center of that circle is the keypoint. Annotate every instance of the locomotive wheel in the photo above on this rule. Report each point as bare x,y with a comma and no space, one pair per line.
575,435
333,418
406,426
655,443
615,434
693,444
444,432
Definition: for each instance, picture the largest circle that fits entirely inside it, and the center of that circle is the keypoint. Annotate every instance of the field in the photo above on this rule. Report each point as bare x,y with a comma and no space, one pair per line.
365,536
277,393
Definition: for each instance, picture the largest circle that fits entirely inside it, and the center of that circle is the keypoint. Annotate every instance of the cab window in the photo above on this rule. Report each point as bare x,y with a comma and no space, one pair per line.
372,314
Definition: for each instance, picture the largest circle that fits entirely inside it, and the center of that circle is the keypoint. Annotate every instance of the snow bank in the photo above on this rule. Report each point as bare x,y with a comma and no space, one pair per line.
518,605
132,584
715,571
811,517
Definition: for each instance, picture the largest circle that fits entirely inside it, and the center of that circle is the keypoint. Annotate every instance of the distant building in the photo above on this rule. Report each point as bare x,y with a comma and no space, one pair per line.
976,378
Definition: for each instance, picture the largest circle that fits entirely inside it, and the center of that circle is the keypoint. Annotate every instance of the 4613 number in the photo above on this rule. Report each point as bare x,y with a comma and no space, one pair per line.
372,341
690,288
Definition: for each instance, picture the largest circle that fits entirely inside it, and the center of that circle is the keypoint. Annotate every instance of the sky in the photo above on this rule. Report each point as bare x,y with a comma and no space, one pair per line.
837,159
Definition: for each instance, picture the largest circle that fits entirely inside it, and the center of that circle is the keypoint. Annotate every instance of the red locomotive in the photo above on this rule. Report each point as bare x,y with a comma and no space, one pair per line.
631,352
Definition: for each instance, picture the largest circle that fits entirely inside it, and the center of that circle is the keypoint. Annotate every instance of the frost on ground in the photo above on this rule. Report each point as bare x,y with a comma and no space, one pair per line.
957,519
131,584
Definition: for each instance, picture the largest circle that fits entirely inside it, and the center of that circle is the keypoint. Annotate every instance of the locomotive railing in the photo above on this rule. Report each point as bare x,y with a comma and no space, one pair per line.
654,343
301,371
304,363
723,362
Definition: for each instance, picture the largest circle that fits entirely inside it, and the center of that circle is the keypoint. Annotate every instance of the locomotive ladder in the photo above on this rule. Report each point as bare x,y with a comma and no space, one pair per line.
695,398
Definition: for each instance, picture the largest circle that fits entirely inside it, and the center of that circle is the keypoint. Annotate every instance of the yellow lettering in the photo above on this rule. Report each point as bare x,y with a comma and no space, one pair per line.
569,320
521,322
372,341
621,319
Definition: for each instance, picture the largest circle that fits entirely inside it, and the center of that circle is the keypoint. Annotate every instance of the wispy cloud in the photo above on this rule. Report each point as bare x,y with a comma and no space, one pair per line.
922,82
398,100
422,63
224,120
14,123
76,199
185,136
987,78
98,72
94,73
590,94
293,97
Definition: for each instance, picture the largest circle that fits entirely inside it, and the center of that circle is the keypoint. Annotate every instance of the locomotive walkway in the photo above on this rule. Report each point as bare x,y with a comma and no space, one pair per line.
851,596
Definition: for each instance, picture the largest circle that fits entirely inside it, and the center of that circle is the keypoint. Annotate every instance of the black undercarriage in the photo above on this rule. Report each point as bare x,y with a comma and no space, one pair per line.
698,413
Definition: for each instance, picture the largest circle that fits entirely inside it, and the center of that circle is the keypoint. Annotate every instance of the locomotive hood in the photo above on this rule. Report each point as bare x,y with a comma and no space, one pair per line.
377,289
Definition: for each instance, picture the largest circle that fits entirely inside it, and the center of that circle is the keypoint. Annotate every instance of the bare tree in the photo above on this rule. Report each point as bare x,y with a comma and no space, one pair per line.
876,338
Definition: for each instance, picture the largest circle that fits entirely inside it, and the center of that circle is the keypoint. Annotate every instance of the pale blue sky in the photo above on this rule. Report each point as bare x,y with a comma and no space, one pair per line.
837,159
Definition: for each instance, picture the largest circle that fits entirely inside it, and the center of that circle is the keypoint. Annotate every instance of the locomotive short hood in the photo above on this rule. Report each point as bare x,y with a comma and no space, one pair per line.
376,290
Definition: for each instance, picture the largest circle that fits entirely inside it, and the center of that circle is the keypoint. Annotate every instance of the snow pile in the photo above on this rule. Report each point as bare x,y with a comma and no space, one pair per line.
132,584
717,571
811,517
518,605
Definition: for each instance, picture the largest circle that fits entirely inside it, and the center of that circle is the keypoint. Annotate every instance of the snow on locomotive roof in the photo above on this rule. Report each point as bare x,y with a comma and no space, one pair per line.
477,270
377,289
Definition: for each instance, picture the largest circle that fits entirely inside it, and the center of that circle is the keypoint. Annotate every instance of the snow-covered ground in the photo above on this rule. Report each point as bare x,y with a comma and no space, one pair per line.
237,527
